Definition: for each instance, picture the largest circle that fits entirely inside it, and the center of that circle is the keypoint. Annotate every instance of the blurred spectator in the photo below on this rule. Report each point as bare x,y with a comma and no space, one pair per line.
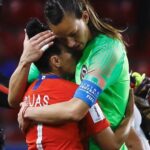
143,102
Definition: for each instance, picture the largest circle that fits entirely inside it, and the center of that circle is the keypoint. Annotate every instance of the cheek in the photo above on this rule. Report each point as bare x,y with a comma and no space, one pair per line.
71,64
81,36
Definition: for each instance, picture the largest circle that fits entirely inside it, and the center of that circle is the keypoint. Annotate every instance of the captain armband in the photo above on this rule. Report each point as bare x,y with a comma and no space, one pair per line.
88,92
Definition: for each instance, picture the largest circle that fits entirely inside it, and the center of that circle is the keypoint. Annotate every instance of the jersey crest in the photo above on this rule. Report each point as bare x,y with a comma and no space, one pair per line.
84,71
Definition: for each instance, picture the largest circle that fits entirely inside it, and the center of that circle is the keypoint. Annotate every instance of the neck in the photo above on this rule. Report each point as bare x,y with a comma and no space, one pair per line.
51,73
90,35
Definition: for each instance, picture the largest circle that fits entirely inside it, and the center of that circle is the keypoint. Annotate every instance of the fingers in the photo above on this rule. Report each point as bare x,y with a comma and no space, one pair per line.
34,48
45,47
21,104
26,36
42,39
24,103
41,34
21,121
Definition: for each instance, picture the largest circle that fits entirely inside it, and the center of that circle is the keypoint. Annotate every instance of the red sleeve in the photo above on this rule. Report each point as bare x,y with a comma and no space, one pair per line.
93,128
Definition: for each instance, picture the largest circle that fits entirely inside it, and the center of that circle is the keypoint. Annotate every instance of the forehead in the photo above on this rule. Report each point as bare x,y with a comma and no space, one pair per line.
68,25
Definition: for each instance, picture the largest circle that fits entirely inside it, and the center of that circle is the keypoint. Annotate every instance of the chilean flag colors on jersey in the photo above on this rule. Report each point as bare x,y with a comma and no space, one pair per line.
51,89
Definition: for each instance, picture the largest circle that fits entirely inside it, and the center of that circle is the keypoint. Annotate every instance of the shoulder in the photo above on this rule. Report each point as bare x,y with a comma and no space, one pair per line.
68,83
30,87
107,47
60,82
104,42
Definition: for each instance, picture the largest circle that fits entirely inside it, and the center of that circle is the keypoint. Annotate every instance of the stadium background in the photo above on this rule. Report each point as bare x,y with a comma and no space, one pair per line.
133,16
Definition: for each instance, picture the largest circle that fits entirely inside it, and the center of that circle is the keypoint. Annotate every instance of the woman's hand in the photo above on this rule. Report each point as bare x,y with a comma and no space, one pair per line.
23,123
33,48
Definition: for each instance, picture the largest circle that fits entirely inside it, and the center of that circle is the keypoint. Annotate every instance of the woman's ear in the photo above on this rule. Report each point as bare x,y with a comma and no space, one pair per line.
85,17
55,61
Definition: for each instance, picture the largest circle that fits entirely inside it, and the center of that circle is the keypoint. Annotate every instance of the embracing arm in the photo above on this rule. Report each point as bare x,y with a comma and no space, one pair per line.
18,84
32,52
73,110
133,141
85,96
110,140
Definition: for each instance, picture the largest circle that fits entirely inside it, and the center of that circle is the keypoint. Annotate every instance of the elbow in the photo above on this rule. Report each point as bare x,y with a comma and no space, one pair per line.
13,99
76,115
77,109
12,103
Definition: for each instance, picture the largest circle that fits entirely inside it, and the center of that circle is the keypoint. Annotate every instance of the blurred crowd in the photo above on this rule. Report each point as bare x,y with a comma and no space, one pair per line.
130,16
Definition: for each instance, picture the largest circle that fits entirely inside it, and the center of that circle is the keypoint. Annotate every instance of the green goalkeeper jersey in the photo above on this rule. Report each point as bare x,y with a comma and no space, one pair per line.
104,62
33,73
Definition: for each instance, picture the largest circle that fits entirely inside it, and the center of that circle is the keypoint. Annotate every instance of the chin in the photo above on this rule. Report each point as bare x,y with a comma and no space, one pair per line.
81,47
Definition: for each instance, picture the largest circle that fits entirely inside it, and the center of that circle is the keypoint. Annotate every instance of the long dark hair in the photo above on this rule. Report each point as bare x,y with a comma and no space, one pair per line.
55,10
43,64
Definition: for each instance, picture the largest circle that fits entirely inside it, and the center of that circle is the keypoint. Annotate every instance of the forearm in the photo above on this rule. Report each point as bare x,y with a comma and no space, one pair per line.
115,139
122,132
18,84
73,110
133,141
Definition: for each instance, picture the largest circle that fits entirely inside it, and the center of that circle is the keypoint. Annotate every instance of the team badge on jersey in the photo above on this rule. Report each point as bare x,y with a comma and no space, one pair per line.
84,71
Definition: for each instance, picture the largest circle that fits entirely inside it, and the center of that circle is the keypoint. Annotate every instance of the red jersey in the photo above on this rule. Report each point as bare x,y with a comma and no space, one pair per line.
48,90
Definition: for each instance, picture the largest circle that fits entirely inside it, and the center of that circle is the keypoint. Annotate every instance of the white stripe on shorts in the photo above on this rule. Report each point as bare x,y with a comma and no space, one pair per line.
39,137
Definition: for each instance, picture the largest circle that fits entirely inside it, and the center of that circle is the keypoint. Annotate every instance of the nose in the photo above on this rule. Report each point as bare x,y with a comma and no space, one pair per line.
71,42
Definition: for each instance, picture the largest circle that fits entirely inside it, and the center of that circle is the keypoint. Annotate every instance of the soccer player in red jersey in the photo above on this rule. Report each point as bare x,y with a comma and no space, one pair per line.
51,88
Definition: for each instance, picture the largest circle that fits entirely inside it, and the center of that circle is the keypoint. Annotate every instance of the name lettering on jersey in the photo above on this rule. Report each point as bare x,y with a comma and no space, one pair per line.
96,113
37,100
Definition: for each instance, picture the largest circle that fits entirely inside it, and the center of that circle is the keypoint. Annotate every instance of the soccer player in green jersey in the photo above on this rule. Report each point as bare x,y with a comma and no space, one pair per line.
102,72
